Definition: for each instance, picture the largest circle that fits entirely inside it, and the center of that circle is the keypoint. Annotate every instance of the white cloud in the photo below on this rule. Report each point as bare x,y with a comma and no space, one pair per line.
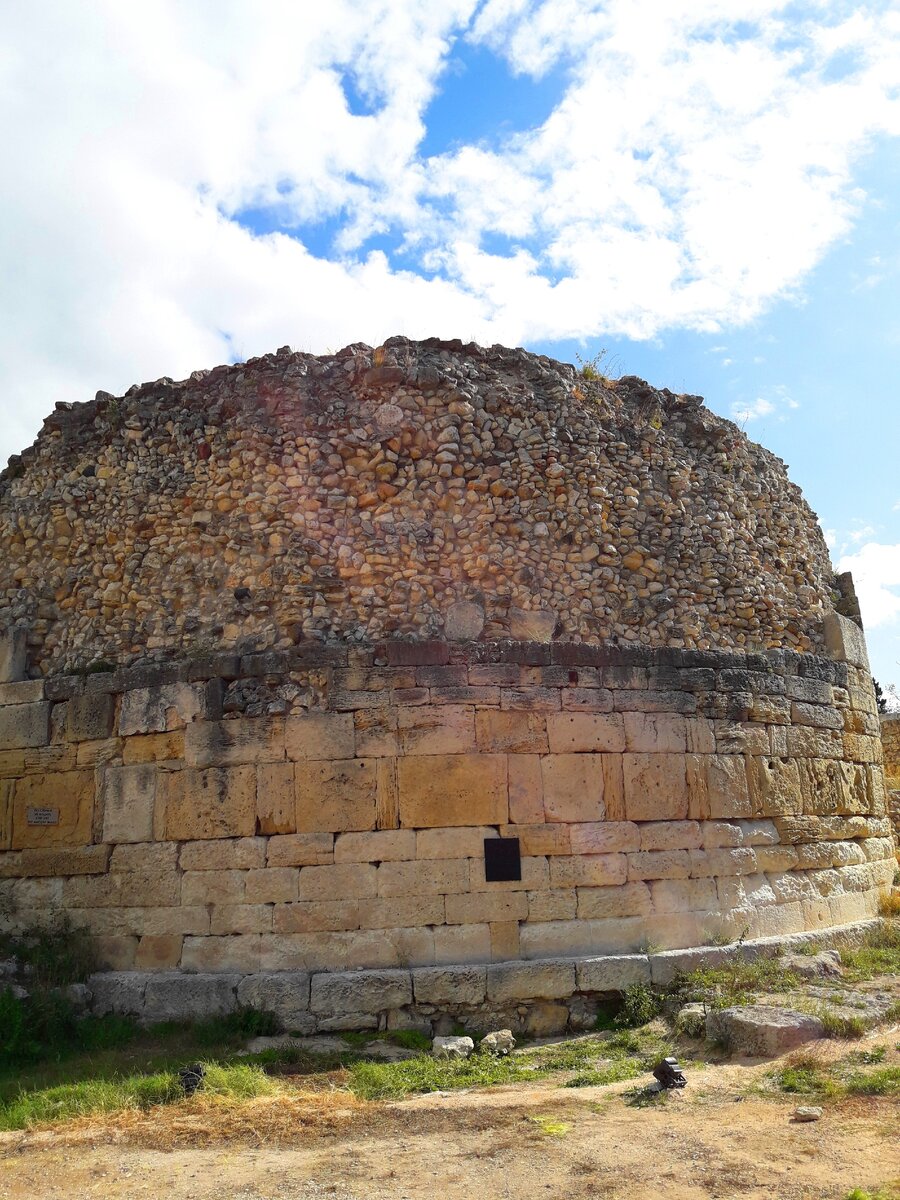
691,172
876,574
753,411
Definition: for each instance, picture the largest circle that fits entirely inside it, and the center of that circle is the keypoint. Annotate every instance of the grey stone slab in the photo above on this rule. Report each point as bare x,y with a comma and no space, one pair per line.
359,992
23,726
612,973
173,996
13,654
89,718
845,641
541,980
29,691
450,985
665,965
120,992
761,1031
284,993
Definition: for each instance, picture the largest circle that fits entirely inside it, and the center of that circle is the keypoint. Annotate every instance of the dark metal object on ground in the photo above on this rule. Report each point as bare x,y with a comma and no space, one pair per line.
669,1074
191,1078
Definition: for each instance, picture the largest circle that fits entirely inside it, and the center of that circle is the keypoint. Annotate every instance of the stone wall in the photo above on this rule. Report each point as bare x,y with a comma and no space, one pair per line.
421,488
324,809
890,740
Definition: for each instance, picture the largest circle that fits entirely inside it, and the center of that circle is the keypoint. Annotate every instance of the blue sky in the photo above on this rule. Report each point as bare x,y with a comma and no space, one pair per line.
708,191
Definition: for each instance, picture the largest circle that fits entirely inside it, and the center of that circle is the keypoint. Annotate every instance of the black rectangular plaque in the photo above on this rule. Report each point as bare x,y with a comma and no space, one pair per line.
502,860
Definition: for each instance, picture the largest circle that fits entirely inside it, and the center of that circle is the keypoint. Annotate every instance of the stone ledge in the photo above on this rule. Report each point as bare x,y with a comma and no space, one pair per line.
412,997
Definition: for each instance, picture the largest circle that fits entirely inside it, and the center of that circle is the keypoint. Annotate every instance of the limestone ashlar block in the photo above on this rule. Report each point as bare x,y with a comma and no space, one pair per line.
316,916
436,729
24,725
90,717
845,641
741,737
238,952
240,918
388,845
12,763
197,805
719,787
455,842
397,912
343,881
535,876
573,787
587,699
513,982
624,936
271,885
684,895
609,903
222,854
320,736
805,742
655,733
774,786
526,790
612,972
450,986
171,997
475,907
301,850
337,796
428,877
276,800
372,992
650,701
740,860
656,787
588,870
511,732
857,747
743,891
139,876
129,801
29,691
235,742
55,861
659,864
154,922
582,732
819,716
540,839
6,813
115,952
376,733
161,708
13,653
530,699
441,790
153,747
69,795
670,835
604,837
557,904
158,952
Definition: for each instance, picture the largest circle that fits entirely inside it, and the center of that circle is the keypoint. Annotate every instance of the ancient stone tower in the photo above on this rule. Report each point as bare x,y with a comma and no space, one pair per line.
422,680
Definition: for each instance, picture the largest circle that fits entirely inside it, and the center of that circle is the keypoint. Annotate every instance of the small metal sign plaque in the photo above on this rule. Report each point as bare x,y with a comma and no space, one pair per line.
42,816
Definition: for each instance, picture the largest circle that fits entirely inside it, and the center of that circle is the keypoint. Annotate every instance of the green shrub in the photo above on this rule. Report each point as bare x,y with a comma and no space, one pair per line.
640,1004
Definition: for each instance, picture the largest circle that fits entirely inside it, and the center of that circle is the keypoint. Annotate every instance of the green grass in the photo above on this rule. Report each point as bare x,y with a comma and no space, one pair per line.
736,982
809,1076
891,1192
879,954
141,1091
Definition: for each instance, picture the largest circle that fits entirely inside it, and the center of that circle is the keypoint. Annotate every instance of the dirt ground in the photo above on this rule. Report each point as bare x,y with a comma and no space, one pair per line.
714,1140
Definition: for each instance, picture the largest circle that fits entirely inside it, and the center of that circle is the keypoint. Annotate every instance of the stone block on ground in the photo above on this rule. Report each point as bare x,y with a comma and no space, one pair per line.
499,1043
761,1031
452,1047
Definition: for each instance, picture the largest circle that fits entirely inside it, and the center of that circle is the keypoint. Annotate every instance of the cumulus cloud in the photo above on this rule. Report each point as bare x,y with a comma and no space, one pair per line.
876,574
697,163
744,413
